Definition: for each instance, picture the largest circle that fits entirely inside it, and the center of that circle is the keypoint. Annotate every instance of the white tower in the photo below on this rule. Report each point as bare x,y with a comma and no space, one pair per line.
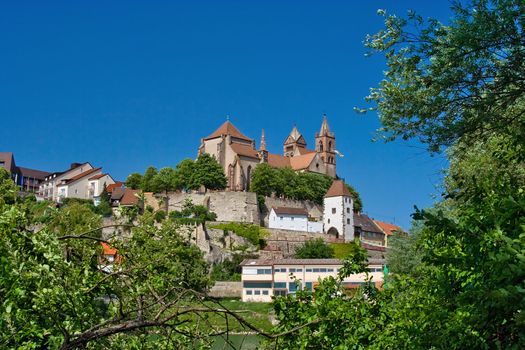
338,214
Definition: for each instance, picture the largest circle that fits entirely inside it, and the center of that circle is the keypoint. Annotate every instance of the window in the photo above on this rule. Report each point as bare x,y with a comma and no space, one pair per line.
264,271
333,210
248,284
329,270
315,270
296,270
308,285
248,292
76,191
348,210
279,285
293,286
257,292
308,270
348,221
292,218
279,292
265,292
328,220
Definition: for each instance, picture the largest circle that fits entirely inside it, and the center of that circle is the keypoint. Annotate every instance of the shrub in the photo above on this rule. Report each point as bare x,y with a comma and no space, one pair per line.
253,233
314,249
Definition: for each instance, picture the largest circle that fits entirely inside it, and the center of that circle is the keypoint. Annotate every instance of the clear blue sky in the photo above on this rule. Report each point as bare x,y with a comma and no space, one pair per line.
128,84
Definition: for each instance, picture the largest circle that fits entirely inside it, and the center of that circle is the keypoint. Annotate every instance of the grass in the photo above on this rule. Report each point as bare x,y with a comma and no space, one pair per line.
342,250
254,313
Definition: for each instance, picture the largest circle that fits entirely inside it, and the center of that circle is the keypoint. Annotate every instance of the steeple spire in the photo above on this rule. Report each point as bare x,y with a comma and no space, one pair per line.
325,129
263,142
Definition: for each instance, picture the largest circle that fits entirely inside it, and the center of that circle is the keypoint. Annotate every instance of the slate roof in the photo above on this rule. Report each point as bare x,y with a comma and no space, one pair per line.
337,189
365,223
228,128
35,174
290,211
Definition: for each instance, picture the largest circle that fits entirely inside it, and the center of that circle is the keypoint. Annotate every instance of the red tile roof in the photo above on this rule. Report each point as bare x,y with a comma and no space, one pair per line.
337,189
107,249
129,197
244,150
111,187
228,129
387,228
278,161
303,161
96,177
80,176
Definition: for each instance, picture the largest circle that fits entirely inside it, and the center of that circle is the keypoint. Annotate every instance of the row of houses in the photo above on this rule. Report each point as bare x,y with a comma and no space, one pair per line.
80,180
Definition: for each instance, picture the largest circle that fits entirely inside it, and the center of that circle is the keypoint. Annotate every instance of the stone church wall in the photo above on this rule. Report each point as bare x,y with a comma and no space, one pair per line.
229,206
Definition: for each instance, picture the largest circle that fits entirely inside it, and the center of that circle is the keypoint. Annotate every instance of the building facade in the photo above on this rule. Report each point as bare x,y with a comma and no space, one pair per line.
49,188
28,179
338,214
238,154
263,279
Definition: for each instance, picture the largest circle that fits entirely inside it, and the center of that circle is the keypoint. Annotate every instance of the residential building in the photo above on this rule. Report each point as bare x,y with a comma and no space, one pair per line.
263,279
367,230
123,196
49,188
28,179
238,154
338,212
96,184
295,219
388,229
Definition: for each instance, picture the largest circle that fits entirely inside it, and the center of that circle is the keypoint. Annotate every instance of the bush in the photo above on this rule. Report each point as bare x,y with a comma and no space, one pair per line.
253,233
314,249
160,215
230,270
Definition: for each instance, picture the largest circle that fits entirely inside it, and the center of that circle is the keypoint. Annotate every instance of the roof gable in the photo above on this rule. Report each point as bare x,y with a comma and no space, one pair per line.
337,189
79,176
290,211
228,128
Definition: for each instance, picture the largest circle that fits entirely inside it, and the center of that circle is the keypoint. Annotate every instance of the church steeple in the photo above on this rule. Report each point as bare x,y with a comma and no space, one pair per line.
294,143
325,147
263,142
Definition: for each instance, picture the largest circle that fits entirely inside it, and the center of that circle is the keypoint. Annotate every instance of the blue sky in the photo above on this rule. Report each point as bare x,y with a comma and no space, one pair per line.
128,84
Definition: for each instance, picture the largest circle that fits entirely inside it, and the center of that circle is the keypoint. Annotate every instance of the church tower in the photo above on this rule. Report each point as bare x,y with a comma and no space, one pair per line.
325,147
295,144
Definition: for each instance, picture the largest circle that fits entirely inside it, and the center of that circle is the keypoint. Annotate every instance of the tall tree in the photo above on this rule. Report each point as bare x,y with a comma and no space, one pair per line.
147,184
185,170
208,173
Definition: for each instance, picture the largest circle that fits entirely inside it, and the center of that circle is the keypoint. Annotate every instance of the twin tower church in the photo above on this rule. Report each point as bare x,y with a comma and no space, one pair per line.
238,154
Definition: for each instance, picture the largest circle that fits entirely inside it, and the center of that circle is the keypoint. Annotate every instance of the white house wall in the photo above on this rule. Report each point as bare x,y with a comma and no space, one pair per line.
288,222
342,219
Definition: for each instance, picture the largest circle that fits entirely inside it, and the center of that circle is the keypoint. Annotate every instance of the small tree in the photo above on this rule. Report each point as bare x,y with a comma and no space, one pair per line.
208,173
314,249
263,178
185,170
134,181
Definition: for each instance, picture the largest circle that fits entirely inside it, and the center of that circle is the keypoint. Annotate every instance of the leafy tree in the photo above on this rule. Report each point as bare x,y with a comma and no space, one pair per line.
208,173
263,180
8,189
358,203
147,184
134,181
451,82
185,170
314,249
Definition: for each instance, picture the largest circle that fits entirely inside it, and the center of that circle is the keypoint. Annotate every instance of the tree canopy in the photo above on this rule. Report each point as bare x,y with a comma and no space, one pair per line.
314,249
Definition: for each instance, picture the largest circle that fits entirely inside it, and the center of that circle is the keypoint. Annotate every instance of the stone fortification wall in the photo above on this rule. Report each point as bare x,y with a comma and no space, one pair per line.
282,243
226,289
229,206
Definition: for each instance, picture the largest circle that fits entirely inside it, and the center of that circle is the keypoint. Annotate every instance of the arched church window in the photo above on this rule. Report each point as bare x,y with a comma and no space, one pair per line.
329,145
248,177
320,146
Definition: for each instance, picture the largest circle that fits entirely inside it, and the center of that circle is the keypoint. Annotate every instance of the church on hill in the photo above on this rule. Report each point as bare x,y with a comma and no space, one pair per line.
238,154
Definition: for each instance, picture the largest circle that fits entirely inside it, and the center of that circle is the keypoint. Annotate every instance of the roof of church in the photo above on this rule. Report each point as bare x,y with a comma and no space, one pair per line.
303,161
325,129
295,136
278,161
337,189
228,128
244,150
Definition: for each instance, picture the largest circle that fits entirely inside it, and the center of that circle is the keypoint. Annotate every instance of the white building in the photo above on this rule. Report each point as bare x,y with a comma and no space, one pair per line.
86,185
338,212
263,279
49,188
295,219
